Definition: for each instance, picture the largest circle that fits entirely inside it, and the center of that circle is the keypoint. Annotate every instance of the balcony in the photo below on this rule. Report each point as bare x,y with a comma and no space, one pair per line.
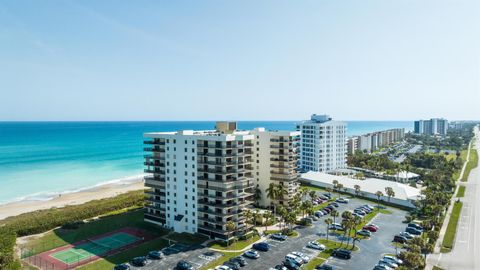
155,164
155,170
222,214
154,142
154,149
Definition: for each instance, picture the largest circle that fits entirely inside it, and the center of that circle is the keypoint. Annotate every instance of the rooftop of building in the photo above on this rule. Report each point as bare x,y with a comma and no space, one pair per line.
369,185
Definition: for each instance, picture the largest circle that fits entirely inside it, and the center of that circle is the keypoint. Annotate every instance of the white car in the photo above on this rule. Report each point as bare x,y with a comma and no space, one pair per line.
393,259
295,259
252,254
342,200
315,245
304,257
388,263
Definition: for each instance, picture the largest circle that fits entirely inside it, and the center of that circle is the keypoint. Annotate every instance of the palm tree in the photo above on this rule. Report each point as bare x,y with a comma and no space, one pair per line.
230,226
313,195
390,193
248,215
339,188
303,192
379,194
281,211
272,192
267,215
257,196
335,183
334,213
329,222
291,218
329,190
255,216
357,189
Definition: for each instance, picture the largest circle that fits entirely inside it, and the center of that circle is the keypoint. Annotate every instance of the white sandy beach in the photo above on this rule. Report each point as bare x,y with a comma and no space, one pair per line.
98,192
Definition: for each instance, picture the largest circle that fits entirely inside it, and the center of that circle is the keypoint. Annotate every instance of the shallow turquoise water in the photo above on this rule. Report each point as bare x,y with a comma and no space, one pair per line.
41,159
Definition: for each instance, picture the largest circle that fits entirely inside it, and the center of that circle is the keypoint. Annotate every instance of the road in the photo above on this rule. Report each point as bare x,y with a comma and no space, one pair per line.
466,251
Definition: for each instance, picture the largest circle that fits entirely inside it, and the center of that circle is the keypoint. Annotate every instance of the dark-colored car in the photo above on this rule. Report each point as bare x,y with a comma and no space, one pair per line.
262,246
324,267
280,267
327,195
342,253
156,255
334,204
232,265
413,231
239,260
291,265
399,239
122,266
183,265
139,261
279,236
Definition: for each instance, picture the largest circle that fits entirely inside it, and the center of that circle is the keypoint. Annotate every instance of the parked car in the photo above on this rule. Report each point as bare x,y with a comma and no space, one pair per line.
222,267
369,206
327,195
122,266
406,235
239,260
370,228
139,261
280,267
360,214
262,246
315,245
184,265
413,231
388,263
393,259
291,265
373,225
323,197
252,254
399,239
302,256
324,267
315,218
416,226
279,236
295,259
381,267
336,226
155,255
342,253
232,265
319,214
334,204
364,233
342,200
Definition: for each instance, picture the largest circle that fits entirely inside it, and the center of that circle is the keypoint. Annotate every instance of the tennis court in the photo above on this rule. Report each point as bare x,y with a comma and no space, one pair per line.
95,247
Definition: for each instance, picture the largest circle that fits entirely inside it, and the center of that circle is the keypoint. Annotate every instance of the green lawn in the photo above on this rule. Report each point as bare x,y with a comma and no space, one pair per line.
61,237
234,245
290,234
471,164
461,191
449,237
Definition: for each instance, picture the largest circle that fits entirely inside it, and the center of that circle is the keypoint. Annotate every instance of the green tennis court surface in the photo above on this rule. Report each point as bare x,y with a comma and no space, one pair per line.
95,247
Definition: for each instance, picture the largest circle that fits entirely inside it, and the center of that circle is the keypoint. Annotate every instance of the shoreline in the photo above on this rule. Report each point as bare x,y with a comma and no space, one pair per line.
100,191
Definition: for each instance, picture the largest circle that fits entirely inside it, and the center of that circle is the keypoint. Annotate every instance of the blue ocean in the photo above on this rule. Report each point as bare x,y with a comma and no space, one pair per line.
39,160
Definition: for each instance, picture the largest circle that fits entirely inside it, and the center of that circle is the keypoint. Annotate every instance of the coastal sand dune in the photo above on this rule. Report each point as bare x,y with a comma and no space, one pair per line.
94,193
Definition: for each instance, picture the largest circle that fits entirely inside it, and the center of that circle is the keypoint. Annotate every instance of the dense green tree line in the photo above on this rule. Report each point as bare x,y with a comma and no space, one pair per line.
44,220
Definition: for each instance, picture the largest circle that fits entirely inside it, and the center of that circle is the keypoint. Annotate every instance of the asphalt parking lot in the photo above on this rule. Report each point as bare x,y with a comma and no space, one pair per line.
196,255
371,250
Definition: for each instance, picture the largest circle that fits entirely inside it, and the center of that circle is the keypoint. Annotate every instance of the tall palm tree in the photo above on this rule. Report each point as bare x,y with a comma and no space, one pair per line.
255,216
329,222
248,215
390,193
272,191
334,213
329,190
335,183
267,215
357,189
303,192
230,226
257,196
313,195
339,188
379,195
281,212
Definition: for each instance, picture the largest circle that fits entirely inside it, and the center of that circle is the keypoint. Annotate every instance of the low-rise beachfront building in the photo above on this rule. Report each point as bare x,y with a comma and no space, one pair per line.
275,161
405,195
201,180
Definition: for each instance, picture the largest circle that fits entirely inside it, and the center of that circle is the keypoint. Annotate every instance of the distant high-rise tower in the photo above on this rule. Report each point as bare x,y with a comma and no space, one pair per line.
434,126
323,144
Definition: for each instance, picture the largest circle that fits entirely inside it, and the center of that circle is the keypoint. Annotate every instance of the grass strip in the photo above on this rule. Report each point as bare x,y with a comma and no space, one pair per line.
449,237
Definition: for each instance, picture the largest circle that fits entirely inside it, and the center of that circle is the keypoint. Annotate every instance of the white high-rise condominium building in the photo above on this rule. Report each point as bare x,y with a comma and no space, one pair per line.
275,161
434,126
323,144
200,180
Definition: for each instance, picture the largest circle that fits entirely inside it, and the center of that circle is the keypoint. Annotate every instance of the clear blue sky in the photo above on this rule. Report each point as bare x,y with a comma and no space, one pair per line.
243,60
